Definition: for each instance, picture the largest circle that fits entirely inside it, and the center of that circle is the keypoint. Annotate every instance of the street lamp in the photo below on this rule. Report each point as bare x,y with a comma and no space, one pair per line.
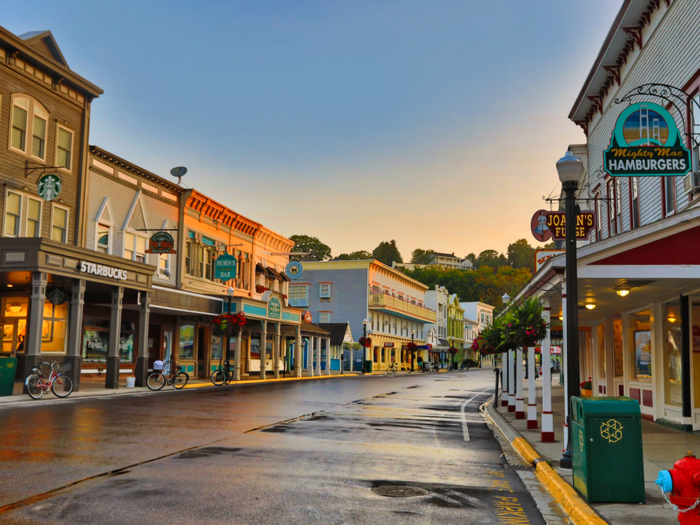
413,334
570,169
505,298
364,346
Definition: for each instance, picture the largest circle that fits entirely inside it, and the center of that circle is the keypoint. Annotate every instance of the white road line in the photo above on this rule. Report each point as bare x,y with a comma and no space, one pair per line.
465,430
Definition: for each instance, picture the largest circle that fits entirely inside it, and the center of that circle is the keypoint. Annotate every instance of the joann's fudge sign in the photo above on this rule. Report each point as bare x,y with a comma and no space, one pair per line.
102,270
646,143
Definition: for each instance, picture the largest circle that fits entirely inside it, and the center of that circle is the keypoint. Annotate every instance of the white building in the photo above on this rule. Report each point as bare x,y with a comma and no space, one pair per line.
437,300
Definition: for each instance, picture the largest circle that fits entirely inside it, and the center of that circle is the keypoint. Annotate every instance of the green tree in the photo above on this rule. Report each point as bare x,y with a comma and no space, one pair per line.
490,258
387,252
317,251
421,256
521,255
359,255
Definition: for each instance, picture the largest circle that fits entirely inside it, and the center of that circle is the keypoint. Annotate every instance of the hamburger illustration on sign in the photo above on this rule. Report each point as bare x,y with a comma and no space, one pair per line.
646,143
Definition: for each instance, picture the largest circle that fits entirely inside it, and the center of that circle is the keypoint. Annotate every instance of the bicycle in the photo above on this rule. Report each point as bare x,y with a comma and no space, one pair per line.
159,378
60,384
222,375
392,369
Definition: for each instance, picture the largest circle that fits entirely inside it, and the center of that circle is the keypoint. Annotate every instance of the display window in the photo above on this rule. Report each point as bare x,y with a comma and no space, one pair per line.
641,345
14,324
186,344
54,328
672,354
217,346
96,341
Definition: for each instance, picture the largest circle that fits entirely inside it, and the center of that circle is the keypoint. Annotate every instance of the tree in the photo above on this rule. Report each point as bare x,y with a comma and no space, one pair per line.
490,258
421,256
521,255
359,255
317,251
387,252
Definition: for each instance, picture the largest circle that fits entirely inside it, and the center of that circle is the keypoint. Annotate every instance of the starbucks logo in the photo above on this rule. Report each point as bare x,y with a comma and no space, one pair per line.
49,186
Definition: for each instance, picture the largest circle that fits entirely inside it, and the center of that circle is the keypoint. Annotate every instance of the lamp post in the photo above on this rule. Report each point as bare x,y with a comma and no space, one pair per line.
364,346
413,335
570,169
229,292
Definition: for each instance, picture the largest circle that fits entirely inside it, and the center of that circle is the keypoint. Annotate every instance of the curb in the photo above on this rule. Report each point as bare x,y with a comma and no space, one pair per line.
578,511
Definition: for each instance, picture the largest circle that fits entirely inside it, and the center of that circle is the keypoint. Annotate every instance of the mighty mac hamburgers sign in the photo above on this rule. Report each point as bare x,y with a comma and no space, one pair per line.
646,143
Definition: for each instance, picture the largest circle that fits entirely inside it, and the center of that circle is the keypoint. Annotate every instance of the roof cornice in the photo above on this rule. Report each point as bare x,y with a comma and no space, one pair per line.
133,168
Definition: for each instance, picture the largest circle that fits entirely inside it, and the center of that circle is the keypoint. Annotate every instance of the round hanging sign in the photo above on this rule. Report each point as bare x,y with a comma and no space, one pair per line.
294,270
56,296
49,186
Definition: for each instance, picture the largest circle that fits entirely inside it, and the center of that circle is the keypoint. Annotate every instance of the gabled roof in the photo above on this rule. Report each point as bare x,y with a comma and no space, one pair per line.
312,328
44,43
337,330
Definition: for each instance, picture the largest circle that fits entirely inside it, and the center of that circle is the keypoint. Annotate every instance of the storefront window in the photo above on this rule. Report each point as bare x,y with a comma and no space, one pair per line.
640,338
96,341
617,346
672,354
14,325
186,346
601,350
53,333
217,345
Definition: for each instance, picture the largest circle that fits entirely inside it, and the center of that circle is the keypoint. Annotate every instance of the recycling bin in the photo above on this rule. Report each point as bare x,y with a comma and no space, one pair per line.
608,462
368,366
8,371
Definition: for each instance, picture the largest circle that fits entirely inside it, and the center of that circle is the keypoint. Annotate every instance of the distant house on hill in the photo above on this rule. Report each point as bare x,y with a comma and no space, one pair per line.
445,260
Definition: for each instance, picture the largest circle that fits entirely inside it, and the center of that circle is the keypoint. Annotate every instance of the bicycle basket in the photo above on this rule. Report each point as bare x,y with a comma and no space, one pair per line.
61,367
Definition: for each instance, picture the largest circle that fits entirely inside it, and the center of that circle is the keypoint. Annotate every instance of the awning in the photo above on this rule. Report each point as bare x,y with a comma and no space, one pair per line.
275,274
443,342
259,268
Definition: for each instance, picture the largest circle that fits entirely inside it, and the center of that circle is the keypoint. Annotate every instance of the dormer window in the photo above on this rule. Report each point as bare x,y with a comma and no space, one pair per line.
29,119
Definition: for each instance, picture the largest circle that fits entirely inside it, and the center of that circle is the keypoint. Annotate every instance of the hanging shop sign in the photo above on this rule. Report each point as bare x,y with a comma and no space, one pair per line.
548,225
542,256
308,317
56,296
161,242
102,270
294,270
274,308
388,345
225,267
49,186
646,143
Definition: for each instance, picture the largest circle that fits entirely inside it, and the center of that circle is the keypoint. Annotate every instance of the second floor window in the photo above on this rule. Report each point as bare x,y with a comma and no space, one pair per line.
33,218
669,184
612,208
13,213
134,247
324,317
29,127
103,238
324,290
64,148
205,255
59,224
298,295
634,201
164,265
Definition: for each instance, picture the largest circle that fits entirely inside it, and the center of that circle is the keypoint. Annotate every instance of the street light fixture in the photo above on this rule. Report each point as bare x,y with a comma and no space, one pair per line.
570,170
505,298
413,333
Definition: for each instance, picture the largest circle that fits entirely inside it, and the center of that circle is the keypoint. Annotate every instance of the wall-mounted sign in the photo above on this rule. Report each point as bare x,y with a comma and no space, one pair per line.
548,225
225,267
294,270
308,317
274,308
161,242
646,143
102,271
56,296
49,186
388,345
542,256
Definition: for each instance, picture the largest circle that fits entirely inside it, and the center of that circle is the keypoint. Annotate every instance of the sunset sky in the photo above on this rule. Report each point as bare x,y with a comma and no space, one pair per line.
434,122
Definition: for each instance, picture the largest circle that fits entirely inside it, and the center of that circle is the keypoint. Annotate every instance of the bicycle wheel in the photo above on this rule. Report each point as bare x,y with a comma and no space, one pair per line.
34,387
180,380
155,381
62,386
218,377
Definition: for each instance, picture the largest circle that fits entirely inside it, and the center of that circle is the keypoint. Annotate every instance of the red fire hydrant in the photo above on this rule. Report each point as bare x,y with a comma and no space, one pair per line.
683,484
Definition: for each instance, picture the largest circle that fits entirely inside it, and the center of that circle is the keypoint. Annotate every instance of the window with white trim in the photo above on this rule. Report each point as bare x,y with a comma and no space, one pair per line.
103,237
33,225
13,214
205,258
22,215
64,147
669,195
104,223
135,226
324,290
134,247
164,265
59,224
29,121
324,317
298,295
634,201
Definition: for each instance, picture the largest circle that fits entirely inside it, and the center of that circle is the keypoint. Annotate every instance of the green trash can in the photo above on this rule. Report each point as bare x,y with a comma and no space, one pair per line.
608,462
368,366
8,371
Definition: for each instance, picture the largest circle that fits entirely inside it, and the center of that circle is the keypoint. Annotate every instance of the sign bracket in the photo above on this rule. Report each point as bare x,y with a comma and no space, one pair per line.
35,166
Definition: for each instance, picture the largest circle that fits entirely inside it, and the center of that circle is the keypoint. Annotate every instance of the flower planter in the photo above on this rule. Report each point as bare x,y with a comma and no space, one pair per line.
586,393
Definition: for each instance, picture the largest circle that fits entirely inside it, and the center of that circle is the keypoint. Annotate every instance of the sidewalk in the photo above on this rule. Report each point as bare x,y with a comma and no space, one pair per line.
662,447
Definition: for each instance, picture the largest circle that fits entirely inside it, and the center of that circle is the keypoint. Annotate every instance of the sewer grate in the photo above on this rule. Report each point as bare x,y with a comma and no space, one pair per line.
525,468
397,491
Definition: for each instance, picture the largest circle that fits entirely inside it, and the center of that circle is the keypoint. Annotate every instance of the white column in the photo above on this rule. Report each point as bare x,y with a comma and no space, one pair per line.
511,380
531,392
328,356
318,356
519,400
276,351
298,353
237,357
310,356
115,324
547,434
263,349
563,364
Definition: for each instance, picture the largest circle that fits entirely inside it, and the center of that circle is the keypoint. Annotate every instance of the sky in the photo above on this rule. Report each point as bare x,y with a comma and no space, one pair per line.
436,123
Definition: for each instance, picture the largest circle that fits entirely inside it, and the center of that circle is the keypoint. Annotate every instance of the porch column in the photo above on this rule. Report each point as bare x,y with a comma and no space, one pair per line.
310,356
32,356
298,353
519,401
328,356
547,434
511,380
115,326
237,357
318,356
505,378
263,349
531,392
141,370
276,351
75,336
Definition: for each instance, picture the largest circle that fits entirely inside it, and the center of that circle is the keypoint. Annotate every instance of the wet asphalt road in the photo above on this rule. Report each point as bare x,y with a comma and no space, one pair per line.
319,451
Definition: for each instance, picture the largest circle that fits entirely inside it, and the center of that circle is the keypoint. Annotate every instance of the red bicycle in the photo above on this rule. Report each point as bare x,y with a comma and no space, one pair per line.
60,384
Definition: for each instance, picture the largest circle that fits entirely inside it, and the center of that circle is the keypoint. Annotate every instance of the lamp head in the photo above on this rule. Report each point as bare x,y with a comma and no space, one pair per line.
505,298
570,168
230,291
364,322
622,292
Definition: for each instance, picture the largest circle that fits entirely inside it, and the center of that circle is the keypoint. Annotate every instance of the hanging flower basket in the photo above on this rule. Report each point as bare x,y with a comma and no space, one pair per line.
524,325
366,342
453,350
411,347
228,325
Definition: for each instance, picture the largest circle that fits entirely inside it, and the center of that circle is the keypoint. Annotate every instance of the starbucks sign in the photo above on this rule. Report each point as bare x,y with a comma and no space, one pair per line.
49,186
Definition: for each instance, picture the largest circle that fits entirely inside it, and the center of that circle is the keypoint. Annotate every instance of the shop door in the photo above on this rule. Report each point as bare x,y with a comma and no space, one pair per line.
14,332
201,352
167,345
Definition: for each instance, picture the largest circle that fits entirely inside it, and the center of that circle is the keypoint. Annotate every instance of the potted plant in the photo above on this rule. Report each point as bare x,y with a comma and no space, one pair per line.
524,325
228,325
587,388
365,342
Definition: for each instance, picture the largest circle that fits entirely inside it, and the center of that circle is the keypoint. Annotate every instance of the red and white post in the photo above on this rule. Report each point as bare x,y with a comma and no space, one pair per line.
531,392
511,381
519,399
547,415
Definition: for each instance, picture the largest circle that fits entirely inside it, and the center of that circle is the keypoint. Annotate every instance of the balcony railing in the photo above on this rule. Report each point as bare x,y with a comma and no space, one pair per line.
387,301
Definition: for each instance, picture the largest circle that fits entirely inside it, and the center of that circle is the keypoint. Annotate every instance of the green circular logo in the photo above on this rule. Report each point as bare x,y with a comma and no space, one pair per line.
49,186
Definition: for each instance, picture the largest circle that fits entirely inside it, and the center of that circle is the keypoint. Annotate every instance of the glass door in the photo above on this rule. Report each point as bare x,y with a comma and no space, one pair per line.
9,339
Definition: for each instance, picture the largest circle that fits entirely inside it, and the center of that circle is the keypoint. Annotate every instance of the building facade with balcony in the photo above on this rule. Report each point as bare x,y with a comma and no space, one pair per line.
392,303
455,329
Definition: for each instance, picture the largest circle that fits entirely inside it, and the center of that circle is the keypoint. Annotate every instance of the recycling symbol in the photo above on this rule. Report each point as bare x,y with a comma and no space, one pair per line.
611,430
580,440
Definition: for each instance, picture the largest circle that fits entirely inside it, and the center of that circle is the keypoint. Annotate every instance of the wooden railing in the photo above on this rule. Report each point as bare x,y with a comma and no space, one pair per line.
402,306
